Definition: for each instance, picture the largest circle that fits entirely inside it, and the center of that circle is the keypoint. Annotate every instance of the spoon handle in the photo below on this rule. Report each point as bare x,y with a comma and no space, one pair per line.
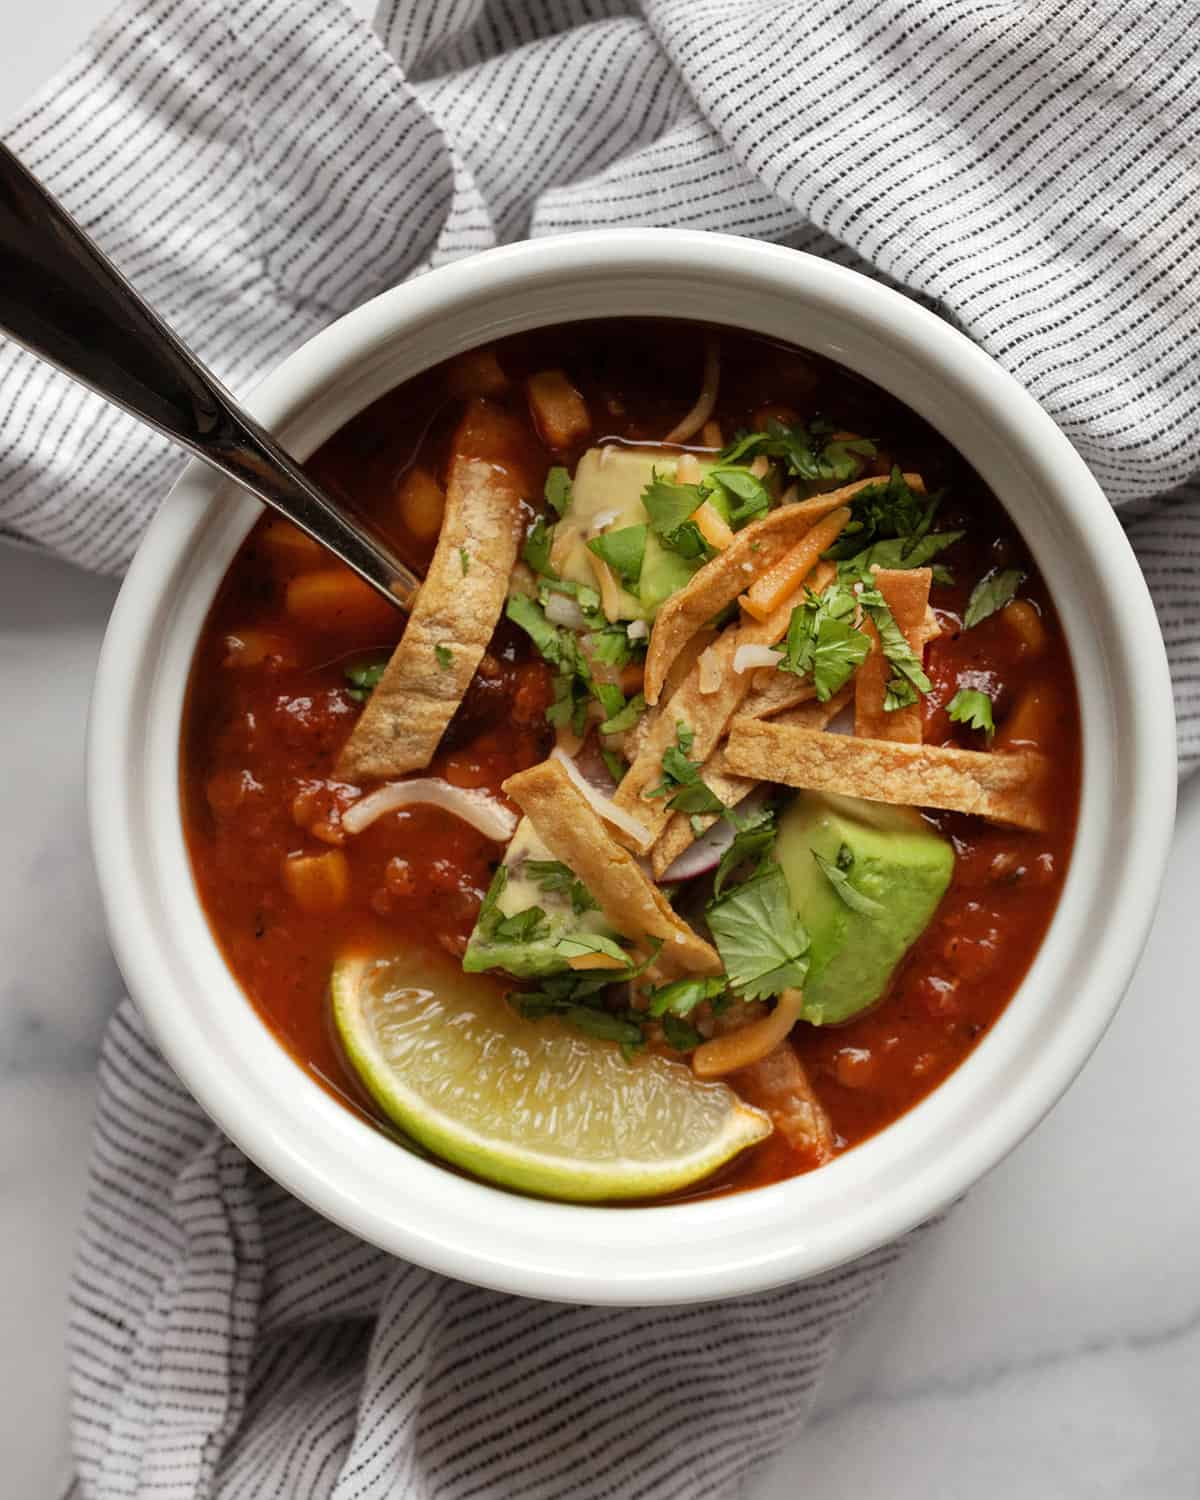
66,302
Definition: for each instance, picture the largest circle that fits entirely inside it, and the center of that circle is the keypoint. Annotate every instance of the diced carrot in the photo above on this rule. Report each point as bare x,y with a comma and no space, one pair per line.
317,882
771,588
1025,622
476,373
287,544
558,410
633,674
422,504
713,526
256,648
337,598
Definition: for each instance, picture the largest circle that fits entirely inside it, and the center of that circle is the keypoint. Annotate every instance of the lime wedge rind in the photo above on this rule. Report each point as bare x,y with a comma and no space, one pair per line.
530,1105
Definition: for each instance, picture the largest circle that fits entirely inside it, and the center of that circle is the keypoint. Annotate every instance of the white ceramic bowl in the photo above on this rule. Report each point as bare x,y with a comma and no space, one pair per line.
749,1241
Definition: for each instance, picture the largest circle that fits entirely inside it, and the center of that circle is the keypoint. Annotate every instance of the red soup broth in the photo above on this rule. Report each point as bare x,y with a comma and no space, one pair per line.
269,707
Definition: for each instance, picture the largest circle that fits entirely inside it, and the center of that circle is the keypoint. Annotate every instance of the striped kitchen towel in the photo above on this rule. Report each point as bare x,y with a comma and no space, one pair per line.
1026,167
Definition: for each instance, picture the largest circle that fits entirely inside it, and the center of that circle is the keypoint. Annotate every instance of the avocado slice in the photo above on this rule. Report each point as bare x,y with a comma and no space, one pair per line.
608,484
529,960
892,858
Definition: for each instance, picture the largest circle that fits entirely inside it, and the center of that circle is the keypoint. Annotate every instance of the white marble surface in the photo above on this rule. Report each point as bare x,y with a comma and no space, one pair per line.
1043,1343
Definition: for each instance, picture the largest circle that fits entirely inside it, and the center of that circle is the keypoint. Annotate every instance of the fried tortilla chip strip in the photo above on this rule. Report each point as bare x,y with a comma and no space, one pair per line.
707,715
906,593
817,715
754,549
780,1085
783,690
574,833
1005,787
449,629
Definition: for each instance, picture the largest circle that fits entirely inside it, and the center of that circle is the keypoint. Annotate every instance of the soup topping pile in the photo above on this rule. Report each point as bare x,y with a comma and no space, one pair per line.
708,807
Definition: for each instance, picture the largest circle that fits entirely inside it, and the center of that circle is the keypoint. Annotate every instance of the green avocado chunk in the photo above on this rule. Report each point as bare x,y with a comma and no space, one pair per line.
892,870
607,488
523,887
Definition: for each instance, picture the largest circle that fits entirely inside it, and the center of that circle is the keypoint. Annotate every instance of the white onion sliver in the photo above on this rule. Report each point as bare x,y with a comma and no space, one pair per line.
600,520
560,610
605,806
745,658
472,805
706,852
637,630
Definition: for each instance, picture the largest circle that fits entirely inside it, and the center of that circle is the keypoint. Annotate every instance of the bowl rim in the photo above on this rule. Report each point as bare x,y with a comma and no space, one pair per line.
743,1243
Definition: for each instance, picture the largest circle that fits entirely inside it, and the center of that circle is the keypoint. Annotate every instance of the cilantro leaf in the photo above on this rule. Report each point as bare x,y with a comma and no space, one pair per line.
528,926
364,679
445,657
685,736
626,717
623,551
752,842
897,552
749,496
895,648
536,551
464,560
487,912
611,646
888,509
679,1035
557,879
669,505
558,490
974,708
898,692
837,875
760,938
822,639
682,996
992,593
617,765
809,451
577,944
696,798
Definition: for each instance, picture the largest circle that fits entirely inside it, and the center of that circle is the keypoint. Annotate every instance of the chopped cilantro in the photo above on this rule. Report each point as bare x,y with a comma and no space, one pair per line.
823,640
464,559
809,451
685,736
623,551
898,692
578,998
974,708
749,496
751,842
885,510
445,657
574,683
627,717
536,551
682,996
487,912
528,926
617,766
558,490
611,646
669,505
679,1035
993,591
837,874
557,879
760,938
899,552
364,679
894,643
681,778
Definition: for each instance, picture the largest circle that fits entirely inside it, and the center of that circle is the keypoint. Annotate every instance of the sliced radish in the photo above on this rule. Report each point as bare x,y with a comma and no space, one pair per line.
705,854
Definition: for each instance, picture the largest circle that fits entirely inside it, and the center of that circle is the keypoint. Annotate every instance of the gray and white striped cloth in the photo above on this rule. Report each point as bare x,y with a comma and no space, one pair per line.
1027,167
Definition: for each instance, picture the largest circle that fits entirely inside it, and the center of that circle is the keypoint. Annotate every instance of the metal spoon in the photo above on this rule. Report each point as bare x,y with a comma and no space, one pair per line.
66,302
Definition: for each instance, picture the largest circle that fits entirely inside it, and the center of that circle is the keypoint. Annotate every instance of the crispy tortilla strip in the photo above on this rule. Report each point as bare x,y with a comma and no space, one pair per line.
574,833
1006,787
705,714
718,583
455,613
906,593
817,715
783,690
780,1085
679,834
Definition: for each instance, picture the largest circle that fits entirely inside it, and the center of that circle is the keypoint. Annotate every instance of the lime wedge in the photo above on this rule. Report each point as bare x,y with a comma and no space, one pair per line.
532,1105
